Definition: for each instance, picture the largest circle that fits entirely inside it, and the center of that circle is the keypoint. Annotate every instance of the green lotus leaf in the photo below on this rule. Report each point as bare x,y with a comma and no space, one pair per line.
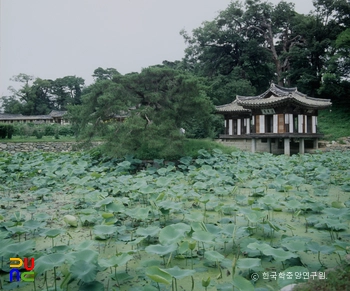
173,233
259,246
87,255
315,248
158,275
336,211
33,224
178,273
17,229
242,284
203,236
48,262
92,286
42,217
163,181
293,204
17,249
161,249
102,231
51,233
194,216
248,263
83,270
139,213
148,231
115,207
104,202
279,254
213,256
294,245
115,261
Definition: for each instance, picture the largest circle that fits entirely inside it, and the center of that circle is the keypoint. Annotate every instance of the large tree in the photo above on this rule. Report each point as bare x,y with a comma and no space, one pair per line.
153,105
256,38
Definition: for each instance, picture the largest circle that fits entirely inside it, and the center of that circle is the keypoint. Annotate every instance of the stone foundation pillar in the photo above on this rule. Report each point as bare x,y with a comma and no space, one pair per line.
253,145
287,146
316,143
301,146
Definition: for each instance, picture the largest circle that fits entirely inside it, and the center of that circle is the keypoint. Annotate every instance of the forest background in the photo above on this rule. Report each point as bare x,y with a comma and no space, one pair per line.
240,52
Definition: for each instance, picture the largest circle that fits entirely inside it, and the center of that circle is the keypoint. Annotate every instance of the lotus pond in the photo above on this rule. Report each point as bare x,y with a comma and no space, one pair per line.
217,222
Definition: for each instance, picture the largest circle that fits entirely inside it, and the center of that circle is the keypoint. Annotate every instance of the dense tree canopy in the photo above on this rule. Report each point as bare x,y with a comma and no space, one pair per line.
240,52
153,105
40,96
249,45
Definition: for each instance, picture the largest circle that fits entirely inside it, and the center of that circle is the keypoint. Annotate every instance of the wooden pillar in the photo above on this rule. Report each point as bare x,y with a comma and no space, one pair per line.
301,146
239,126
316,143
248,126
230,127
287,146
253,145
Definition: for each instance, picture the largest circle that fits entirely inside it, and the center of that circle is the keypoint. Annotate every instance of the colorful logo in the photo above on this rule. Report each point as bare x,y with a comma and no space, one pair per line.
25,276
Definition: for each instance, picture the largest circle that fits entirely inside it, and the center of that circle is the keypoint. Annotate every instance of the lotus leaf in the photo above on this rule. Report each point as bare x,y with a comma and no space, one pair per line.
242,284
315,248
83,271
203,236
87,255
213,256
248,263
178,273
48,262
149,231
173,233
52,232
92,286
161,249
279,254
158,275
102,231
115,261
17,249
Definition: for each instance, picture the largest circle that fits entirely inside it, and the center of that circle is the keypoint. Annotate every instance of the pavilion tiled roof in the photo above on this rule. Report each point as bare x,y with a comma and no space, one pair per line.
277,95
24,117
232,107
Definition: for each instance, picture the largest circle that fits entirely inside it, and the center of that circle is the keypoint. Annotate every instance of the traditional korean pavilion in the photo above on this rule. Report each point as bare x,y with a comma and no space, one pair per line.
280,120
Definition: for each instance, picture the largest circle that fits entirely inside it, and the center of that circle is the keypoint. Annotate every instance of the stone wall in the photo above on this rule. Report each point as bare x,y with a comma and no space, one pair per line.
58,147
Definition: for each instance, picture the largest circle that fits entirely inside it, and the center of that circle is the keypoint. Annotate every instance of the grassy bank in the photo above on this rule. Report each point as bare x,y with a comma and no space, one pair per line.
334,123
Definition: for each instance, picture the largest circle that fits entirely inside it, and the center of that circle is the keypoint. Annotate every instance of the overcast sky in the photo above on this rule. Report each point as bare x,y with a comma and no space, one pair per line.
50,39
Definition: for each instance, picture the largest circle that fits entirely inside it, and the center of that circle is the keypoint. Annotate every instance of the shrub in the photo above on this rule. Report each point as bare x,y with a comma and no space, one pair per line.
10,131
6,130
38,133
3,131
65,130
49,130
